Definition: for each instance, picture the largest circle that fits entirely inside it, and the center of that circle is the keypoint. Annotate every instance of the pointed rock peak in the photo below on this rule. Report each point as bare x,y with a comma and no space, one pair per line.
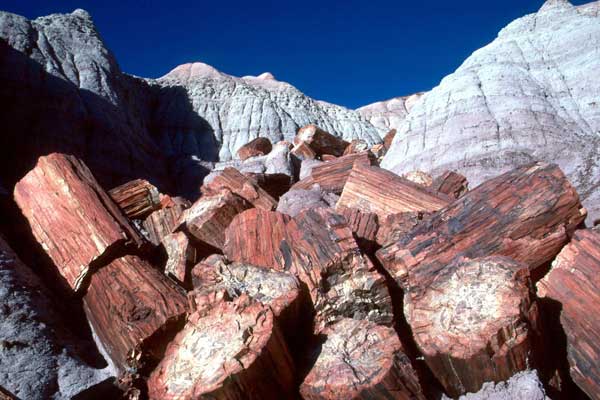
81,13
266,76
194,70
554,4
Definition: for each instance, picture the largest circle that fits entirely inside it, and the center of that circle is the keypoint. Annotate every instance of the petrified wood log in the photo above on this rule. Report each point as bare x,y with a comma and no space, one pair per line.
364,225
133,308
451,183
361,360
574,281
378,151
419,177
323,254
255,237
278,290
162,222
274,184
356,146
208,218
71,216
232,350
372,189
332,175
302,151
388,139
238,183
6,395
321,142
328,157
257,147
526,214
394,226
473,321
137,198
181,257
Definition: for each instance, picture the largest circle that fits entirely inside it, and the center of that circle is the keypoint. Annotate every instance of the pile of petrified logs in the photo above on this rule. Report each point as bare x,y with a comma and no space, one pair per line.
401,288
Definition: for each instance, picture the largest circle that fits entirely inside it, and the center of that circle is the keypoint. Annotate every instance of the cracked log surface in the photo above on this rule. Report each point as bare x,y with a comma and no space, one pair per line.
364,225
320,141
228,350
361,360
71,216
473,321
256,237
208,218
132,307
394,226
375,190
332,175
243,186
137,198
574,281
451,183
162,222
181,257
526,214
257,147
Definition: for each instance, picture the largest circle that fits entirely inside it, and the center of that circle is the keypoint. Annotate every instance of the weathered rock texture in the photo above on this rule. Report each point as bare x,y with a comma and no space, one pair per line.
522,386
257,147
296,200
573,281
38,359
529,95
389,114
361,360
137,198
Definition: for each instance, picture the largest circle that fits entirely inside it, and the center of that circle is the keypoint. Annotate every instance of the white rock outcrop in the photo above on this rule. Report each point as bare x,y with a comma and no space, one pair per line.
389,114
533,93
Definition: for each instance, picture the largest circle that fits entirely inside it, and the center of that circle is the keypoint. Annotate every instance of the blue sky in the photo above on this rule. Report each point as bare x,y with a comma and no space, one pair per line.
350,53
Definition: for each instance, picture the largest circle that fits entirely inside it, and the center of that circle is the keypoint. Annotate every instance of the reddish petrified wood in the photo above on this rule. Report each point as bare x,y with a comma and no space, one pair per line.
388,139
394,226
321,251
238,183
181,257
361,360
378,151
257,147
71,216
364,225
162,222
451,183
574,281
255,237
274,184
321,142
526,214
6,395
230,350
332,175
356,146
473,321
328,157
376,190
419,177
302,151
133,309
208,218
137,198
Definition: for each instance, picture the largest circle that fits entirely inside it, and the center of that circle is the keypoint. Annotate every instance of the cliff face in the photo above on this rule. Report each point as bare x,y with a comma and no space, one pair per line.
530,94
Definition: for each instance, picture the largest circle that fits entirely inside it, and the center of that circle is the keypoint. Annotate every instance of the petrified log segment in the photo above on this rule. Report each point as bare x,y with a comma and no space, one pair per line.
361,360
278,290
574,281
257,147
451,183
472,321
274,184
419,177
394,226
302,151
388,139
372,189
132,308
256,237
71,216
162,222
356,146
230,351
364,226
526,214
332,175
181,257
137,198
209,217
342,283
328,157
378,151
238,183
321,142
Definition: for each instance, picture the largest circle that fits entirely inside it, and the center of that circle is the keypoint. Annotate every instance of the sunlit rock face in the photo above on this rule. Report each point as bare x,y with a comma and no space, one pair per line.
389,114
533,93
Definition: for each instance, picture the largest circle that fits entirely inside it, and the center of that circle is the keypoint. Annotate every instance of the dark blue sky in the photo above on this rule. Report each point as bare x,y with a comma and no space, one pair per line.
350,53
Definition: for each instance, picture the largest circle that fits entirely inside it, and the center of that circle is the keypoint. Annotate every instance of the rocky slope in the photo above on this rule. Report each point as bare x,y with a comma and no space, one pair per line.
530,94
389,114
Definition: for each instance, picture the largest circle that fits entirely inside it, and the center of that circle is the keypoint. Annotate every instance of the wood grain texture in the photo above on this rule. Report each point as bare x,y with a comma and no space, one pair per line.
181,257
361,360
332,175
451,183
231,350
472,321
241,185
356,146
364,226
389,138
574,281
257,147
162,222
320,141
71,216
137,198
394,226
526,214
302,151
375,190
131,306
